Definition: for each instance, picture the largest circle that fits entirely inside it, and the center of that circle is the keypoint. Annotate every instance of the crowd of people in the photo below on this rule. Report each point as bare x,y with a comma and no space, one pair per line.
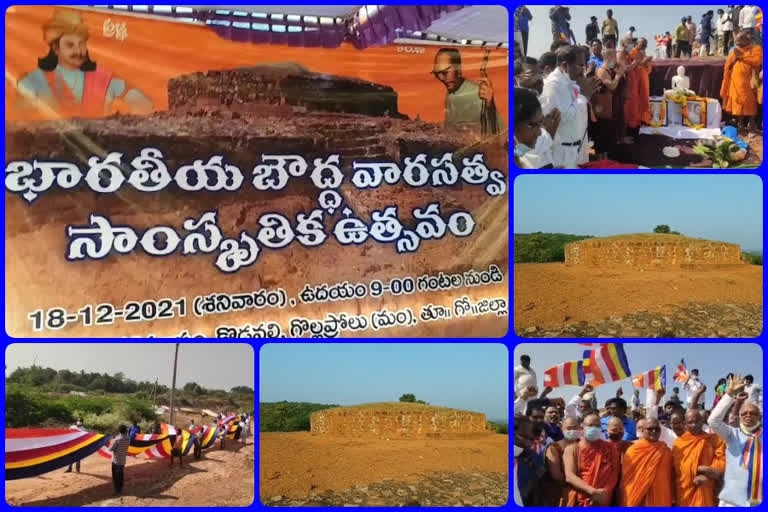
572,454
122,441
598,94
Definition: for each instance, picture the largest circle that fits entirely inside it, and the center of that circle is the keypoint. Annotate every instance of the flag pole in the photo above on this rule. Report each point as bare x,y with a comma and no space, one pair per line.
173,384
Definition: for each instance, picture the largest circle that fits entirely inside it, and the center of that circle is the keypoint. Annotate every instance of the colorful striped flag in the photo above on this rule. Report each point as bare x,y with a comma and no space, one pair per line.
34,451
681,373
652,379
565,374
752,461
139,444
207,436
606,364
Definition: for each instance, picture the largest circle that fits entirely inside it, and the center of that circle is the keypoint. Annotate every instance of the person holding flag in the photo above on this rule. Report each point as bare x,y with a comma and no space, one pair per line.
743,486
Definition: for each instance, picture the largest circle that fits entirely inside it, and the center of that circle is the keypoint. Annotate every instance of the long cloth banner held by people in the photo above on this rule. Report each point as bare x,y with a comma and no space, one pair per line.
33,451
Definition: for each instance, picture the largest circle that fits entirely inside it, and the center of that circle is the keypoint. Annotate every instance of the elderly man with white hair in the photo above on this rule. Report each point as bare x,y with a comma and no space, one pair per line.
743,485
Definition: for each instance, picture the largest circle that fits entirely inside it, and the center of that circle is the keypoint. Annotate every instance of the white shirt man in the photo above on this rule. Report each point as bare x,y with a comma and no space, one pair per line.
725,23
747,17
541,155
754,395
571,144
667,435
691,386
524,377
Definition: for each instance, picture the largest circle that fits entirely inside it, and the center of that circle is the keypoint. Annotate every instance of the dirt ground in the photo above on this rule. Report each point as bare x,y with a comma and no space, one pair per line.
221,478
295,463
553,294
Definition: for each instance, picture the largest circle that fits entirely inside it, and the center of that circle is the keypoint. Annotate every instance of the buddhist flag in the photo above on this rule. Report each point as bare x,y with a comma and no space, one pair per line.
565,374
652,379
606,364
34,451
681,373
139,444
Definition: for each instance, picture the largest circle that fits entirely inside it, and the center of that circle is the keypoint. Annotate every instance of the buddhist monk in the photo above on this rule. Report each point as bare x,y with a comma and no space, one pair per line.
677,422
699,461
615,432
554,489
739,98
591,467
647,478
637,109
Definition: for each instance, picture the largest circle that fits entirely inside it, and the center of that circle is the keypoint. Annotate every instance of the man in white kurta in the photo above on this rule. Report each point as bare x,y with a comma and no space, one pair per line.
571,146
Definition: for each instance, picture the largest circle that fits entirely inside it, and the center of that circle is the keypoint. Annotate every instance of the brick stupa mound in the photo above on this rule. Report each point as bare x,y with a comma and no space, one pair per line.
397,420
284,88
651,250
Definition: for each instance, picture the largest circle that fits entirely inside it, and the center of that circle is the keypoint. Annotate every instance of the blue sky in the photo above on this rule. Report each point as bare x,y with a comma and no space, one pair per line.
713,360
648,20
471,376
726,208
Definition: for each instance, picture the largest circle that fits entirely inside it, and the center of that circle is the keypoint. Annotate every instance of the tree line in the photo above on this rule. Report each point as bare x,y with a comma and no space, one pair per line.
63,381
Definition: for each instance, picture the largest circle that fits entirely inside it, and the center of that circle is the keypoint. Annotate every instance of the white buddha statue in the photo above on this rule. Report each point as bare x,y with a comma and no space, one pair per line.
681,83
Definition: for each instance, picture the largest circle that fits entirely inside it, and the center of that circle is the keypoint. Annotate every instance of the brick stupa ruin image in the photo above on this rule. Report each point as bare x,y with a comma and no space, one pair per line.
651,250
397,420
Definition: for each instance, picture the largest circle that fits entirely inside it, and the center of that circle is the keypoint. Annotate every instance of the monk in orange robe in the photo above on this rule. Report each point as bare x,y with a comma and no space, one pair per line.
739,98
554,490
637,108
647,479
699,460
615,432
591,467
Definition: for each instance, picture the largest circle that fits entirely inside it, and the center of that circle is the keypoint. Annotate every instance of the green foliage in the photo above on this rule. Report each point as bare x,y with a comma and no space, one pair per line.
242,389
135,409
661,228
723,152
753,259
67,380
543,247
194,387
87,404
25,407
408,397
499,428
287,416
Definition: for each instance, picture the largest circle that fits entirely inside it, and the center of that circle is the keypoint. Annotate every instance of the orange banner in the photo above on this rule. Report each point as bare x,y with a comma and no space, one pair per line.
164,181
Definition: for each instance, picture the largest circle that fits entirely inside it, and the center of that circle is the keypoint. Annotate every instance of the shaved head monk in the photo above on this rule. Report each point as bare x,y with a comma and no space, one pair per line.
555,492
646,470
699,460
739,98
615,433
591,466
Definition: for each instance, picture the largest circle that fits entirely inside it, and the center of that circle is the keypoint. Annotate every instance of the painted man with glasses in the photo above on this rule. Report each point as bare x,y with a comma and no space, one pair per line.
464,99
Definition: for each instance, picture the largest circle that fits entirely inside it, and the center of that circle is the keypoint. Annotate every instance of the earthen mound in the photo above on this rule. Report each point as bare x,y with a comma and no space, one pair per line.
652,250
397,420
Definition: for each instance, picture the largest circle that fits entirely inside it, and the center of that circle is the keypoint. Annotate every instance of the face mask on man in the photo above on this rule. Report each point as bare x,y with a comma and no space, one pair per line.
611,65
615,436
572,435
592,433
518,451
630,46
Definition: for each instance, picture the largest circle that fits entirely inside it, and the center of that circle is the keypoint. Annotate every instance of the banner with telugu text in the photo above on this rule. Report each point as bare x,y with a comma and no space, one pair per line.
162,181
